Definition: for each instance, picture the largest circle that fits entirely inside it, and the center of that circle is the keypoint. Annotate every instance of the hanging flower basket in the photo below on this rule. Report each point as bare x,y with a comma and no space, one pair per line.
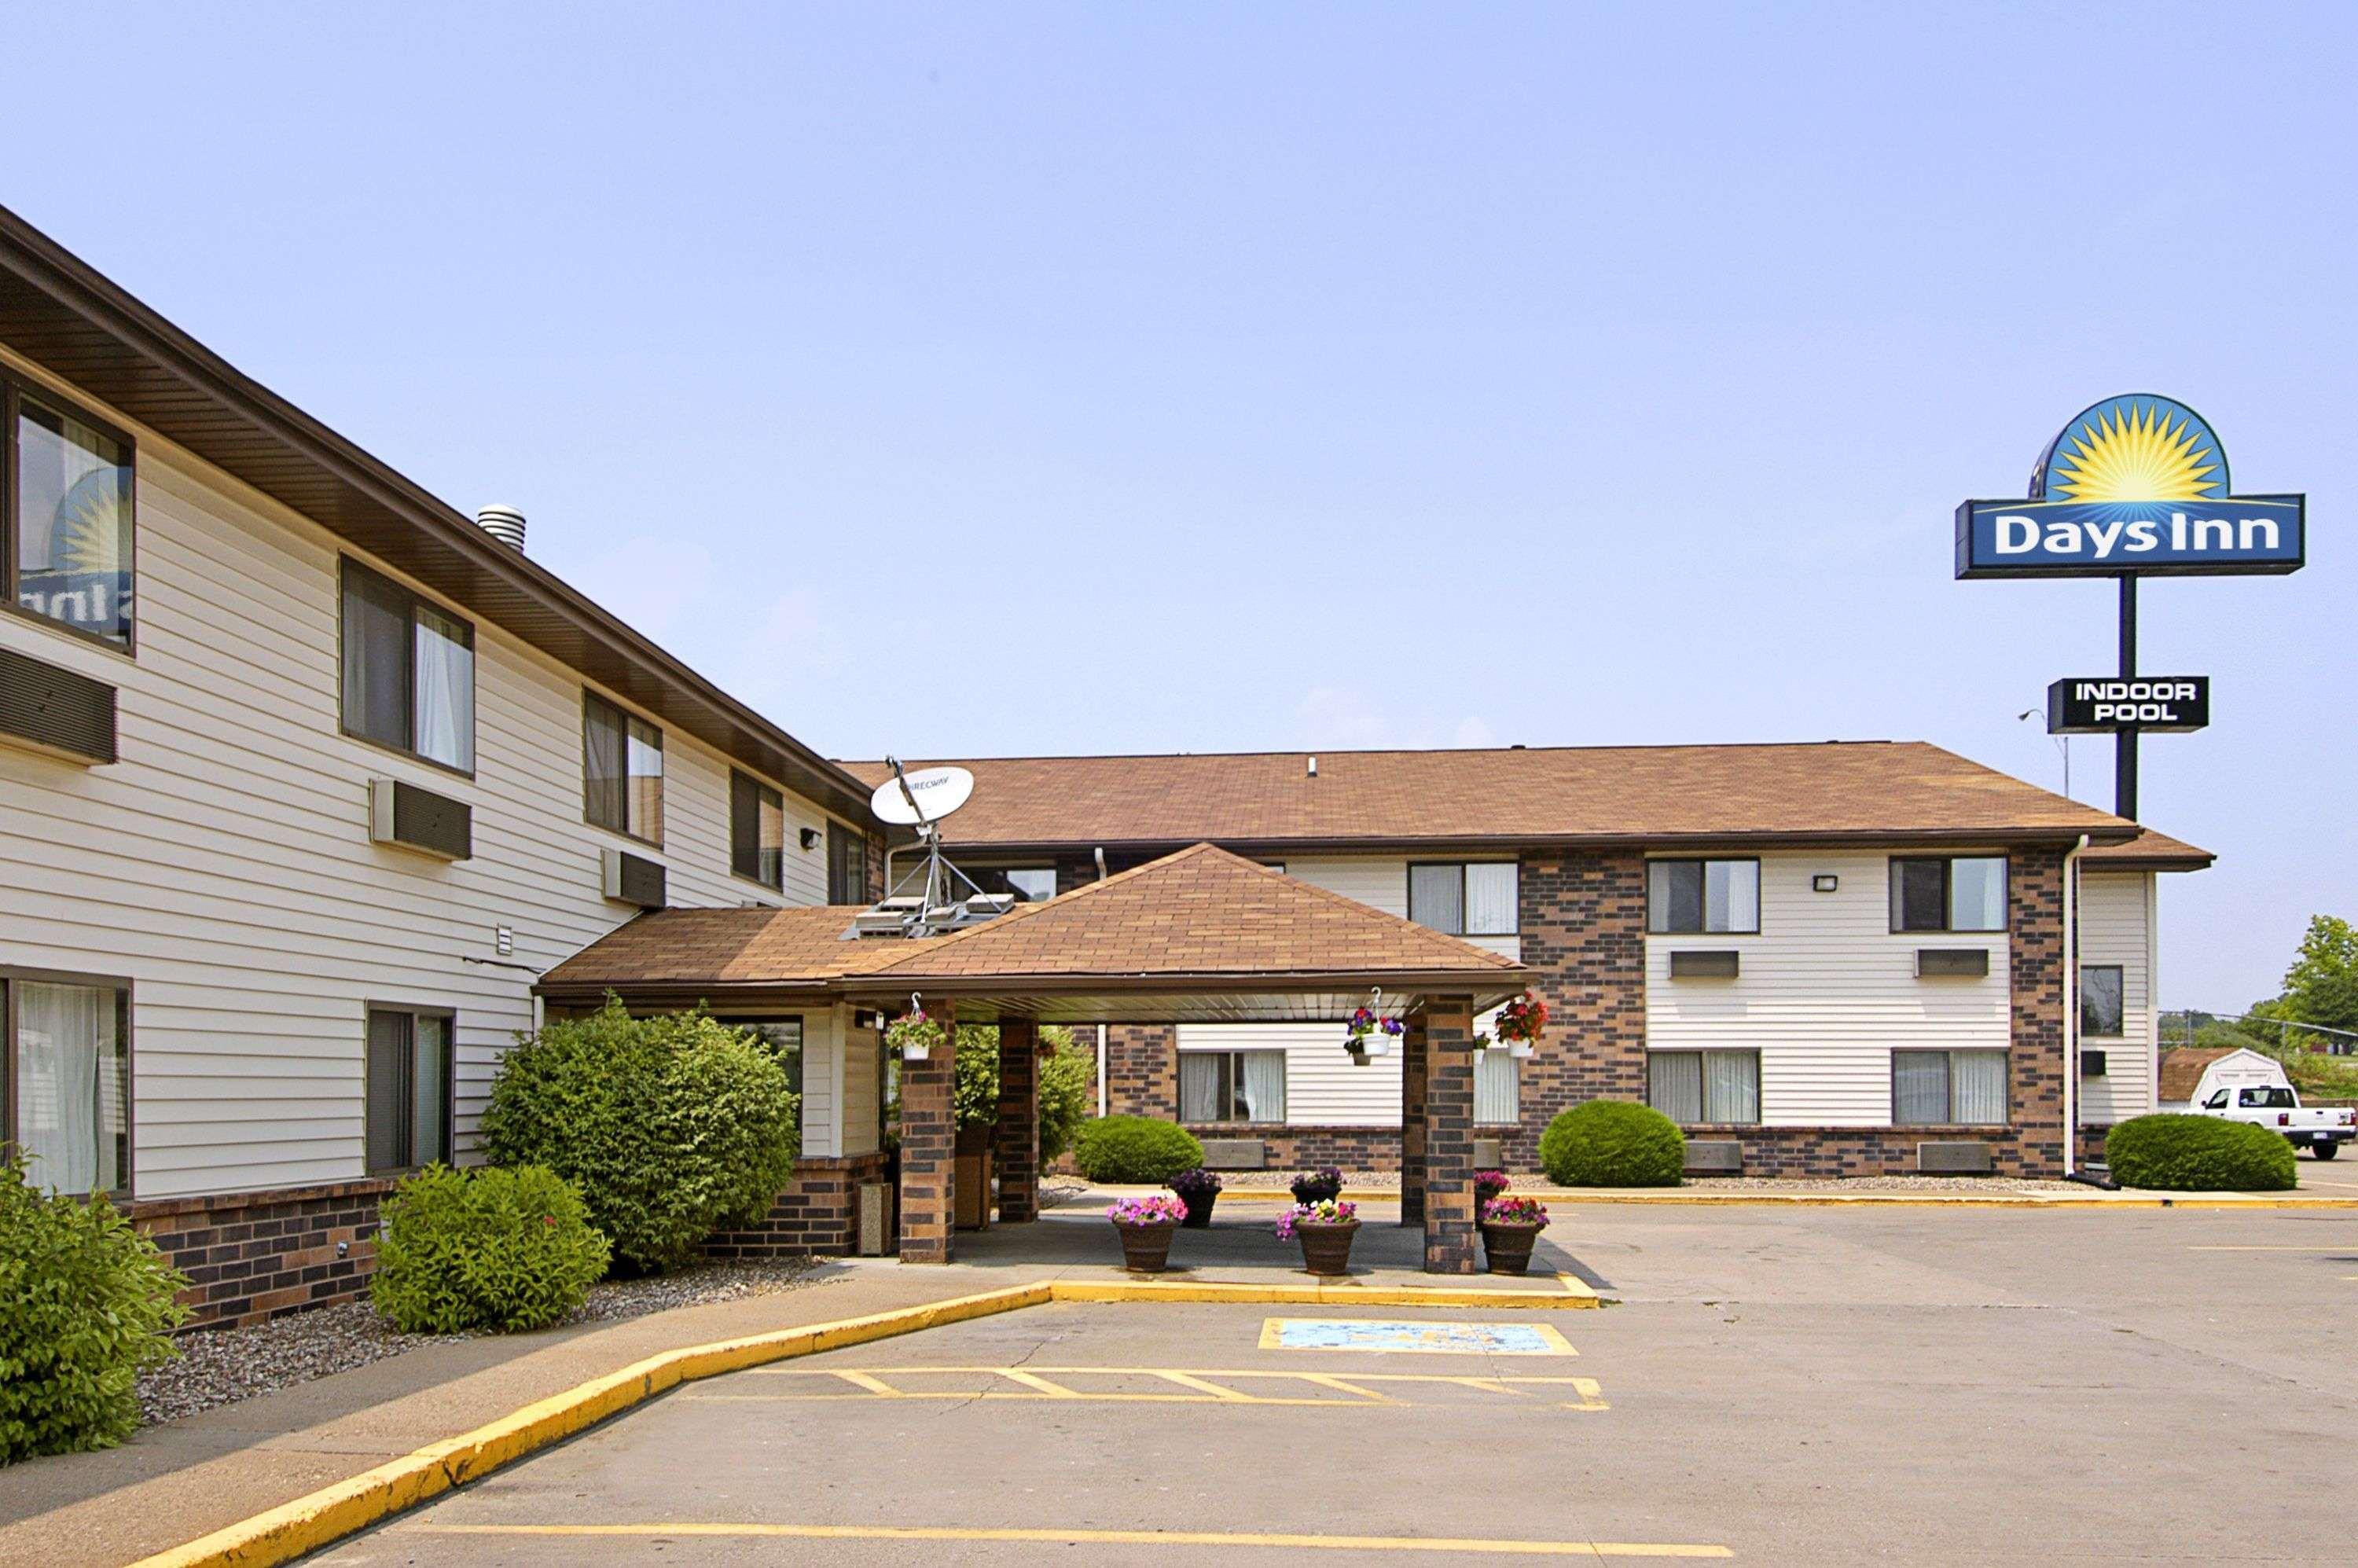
1371,1036
1520,1023
915,1035
1145,1226
1518,1049
1325,1230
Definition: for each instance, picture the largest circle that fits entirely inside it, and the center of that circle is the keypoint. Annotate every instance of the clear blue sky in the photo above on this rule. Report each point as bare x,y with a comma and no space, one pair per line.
1023,379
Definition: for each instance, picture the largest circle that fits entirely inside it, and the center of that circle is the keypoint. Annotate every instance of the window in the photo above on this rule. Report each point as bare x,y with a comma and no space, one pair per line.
1030,884
1948,1089
2100,998
784,1037
66,521
757,831
2218,1101
621,771
409,672
1702,896
2266,1099
1464,899
1704,1087
1231,1085
66,1082
1964,894
409,1089
1497,1088
847,865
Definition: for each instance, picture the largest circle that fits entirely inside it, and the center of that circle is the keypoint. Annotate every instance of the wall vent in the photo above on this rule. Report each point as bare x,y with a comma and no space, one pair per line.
1701,964
1715,1156
56,710
408,818
1951,963
632,879
504,523
1954,1159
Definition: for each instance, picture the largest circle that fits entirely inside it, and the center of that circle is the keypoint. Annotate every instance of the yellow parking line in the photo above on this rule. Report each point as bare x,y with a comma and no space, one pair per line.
1329,1381
1494,1547
863,1381
2346,1247
1033,1384
1189,1380
1033,1381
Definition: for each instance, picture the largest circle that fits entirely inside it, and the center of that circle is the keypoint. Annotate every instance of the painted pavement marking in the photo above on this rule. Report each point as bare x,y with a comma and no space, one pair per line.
1197,1386
1490,1547
2345,1247
1413,1338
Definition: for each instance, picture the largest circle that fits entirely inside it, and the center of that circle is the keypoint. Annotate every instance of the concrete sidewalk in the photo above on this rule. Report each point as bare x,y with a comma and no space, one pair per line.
2321,1192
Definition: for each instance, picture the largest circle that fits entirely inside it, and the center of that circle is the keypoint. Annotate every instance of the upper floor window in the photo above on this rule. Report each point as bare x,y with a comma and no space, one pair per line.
66,521
621,770
409,671
1961,893
1030,884
2100,998
1702,896
847,865
757,831
65,1081
1465,899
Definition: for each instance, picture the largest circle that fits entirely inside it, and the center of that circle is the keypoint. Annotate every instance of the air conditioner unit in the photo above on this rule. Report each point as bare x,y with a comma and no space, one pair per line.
631,878
408,818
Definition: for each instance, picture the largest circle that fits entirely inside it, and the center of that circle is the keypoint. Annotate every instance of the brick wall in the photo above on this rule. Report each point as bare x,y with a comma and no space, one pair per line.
261,1255
1833,1151
1142,1070
1584,919
1292,1149
928,1143
816,1217
2035,923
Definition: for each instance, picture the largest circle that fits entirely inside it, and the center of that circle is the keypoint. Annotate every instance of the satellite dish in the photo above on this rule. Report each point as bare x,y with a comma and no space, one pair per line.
908,800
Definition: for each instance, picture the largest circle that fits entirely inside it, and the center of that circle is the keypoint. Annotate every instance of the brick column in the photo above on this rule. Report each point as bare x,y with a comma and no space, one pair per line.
1016,1139
1415,1052
928,1152
1583,937
2036,960
1142,1070
1449,1135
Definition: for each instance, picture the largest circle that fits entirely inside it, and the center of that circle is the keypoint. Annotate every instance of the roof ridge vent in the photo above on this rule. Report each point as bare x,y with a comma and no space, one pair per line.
504,523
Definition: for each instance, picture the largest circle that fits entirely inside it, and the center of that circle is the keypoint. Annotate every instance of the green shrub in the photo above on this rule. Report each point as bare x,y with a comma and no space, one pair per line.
670,1126
1135,1148
85,1302
2198,1153
1613,1143
499,1248
1065,1080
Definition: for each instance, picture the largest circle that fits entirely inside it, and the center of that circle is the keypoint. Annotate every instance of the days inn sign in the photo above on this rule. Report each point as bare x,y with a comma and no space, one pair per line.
2135,486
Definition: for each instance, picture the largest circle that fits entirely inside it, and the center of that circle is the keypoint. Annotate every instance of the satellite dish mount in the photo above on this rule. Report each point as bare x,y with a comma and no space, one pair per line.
927,900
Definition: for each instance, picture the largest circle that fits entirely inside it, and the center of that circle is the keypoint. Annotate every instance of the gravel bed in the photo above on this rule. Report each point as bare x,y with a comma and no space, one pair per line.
221,1367
1075,1190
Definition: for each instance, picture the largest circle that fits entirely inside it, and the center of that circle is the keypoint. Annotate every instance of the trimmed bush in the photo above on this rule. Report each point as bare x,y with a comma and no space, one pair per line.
85,1302
2198,1153
1135,1148
498,1249
670,1128
1613,1143
1064,1084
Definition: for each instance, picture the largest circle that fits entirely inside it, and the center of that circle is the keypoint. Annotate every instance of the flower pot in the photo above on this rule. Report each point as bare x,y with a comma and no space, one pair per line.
1358,1055
1482,1196
1506,1248
1377,1045
1326,1248
1146,1248
915,1053
1518,1048
1199,1210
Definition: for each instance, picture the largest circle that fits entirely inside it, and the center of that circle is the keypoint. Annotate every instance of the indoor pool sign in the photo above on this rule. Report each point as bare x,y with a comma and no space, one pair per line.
2135,486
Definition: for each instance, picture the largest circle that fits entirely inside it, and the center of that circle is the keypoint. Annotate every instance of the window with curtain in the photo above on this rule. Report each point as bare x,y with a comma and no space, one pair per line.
1497,1088
1231,1085
1963,894
410,1074
847,865
68,517
1964,1088
69,1083
621,771
1716,1088
1702,896
409,671
757,831
1466,899
2100,1008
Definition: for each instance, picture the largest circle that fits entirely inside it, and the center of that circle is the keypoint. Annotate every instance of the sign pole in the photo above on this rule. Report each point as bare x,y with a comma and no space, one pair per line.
2124,743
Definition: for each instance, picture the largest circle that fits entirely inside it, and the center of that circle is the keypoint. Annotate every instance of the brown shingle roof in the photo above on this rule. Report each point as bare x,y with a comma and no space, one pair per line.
1893,791
2181,1071
723,946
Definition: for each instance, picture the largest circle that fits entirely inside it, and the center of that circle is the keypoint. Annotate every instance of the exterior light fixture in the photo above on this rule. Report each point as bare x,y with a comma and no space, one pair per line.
810,837
1824,882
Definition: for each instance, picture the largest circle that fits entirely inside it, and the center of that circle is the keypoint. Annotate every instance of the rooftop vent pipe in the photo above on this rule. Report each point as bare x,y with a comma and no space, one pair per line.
504,523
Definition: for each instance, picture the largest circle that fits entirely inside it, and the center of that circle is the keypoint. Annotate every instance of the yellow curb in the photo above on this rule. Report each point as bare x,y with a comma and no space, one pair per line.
1806,1200
1573,1294
285,1533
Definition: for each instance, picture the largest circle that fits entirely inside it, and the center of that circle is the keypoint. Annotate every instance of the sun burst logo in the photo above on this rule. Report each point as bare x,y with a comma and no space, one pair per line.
2134,453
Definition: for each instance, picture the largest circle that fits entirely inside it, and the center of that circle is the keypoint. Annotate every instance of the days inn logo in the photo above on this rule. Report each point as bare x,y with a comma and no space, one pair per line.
2134,486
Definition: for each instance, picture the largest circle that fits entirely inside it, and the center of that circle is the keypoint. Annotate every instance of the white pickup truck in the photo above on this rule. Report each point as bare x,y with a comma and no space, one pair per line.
2321,1131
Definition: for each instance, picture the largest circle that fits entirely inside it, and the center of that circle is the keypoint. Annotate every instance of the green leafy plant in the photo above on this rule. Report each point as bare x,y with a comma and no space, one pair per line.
1065,1080
1135,1148
2198,1153
500,1249
670,1126
85,1303
1613,1143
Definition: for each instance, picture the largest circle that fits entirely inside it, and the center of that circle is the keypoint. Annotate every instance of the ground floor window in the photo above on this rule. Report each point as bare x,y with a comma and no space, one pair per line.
1960,1088
784,1037
411,1077
66,1087
1497,1088
1232,1086
1704,1087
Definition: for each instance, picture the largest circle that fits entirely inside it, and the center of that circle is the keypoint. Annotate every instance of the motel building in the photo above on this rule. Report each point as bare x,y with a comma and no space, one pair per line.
314,792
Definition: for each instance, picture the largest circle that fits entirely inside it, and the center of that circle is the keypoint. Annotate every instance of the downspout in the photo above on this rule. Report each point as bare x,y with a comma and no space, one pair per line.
2071,1008
1103,1103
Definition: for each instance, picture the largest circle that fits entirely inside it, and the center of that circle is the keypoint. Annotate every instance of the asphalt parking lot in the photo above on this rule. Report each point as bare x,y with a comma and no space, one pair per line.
1811,1385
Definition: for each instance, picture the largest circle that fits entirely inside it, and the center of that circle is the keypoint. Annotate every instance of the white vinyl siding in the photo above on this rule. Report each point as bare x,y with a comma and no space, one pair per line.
224,864
2115,928
1825,993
